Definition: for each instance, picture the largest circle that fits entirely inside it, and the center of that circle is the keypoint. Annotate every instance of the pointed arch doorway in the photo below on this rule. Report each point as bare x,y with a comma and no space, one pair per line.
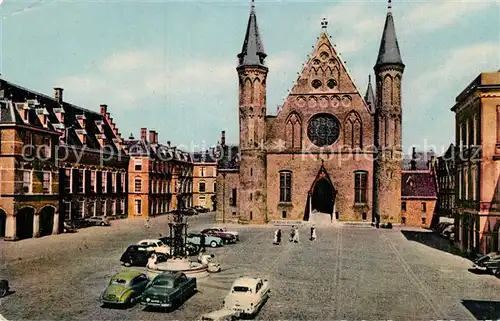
321,199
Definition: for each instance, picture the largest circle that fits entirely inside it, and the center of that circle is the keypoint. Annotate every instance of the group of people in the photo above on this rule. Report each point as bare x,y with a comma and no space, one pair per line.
294,235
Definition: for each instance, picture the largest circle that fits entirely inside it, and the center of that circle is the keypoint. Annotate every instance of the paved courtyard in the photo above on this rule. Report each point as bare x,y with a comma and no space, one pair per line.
350,273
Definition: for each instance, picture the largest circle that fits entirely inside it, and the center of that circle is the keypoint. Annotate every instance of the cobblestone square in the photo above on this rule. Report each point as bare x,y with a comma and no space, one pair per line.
350,273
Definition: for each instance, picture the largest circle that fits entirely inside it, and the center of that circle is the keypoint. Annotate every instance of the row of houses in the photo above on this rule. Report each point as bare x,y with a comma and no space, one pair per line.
63,162
468,172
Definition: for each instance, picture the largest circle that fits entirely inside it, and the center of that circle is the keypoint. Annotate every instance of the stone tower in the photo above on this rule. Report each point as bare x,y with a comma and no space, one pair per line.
388,139
252,74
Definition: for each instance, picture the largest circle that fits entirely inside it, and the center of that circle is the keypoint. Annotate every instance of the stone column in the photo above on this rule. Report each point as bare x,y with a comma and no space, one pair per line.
55,228
10,228
36,225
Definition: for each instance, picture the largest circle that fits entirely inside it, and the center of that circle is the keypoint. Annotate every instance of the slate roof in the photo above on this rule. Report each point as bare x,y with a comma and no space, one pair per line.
418,184
207,156
389,47
252,52
230,158
138,147
36,104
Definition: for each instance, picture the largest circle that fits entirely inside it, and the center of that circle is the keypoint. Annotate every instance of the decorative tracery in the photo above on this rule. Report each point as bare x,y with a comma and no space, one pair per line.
293,131
353,130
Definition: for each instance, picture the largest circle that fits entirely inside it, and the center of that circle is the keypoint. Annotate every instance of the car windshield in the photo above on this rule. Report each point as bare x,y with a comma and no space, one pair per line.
241,289
164,283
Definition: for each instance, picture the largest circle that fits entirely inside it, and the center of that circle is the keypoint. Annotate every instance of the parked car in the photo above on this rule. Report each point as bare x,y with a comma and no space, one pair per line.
220,315
81,223
155,245
441,226
4,288
489,262
224,229
247,295
168,289
190,211
191,249
138,255
98,221
69,227
211,241
226,237
124,288
201,209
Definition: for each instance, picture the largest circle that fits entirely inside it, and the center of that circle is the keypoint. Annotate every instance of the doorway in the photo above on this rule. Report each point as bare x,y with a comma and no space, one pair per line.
322,197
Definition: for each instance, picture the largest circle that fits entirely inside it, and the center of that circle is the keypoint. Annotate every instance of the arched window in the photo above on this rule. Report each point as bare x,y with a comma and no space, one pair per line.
387,93
293,132
248,91
353,131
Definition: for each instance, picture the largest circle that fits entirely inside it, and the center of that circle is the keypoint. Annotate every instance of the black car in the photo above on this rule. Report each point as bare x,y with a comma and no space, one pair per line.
168,290
69,227
489,262
81,223
138,255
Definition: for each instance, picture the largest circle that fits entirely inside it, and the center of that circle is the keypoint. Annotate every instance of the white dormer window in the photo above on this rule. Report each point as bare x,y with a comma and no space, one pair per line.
104,176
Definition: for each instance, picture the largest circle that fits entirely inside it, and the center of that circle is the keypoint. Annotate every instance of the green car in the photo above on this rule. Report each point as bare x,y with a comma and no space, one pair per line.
124,288
168,290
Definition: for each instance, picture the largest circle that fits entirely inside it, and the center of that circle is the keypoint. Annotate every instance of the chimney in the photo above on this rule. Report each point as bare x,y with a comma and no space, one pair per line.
432,162
156,137
223,138
104,110
152,136
58,94
413,162
144,131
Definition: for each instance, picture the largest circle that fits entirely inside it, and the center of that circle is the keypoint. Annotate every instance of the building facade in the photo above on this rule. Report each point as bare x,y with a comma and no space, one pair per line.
54,157
159,176
329,150
204,179
445,171
477,163
419,192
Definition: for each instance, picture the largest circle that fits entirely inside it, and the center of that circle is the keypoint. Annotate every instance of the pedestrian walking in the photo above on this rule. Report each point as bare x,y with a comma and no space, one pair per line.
292,234
146,224
202,243
313,233
279,237
296,236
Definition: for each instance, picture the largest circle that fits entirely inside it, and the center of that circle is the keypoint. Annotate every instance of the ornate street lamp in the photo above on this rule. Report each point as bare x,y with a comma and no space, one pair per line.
178,230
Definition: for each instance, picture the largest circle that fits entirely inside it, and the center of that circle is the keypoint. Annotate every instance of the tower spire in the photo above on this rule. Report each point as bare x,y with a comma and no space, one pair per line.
252,52
389,48
370,96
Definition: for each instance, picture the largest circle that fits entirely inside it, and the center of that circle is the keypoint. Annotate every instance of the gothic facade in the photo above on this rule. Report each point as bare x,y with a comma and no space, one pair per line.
329,151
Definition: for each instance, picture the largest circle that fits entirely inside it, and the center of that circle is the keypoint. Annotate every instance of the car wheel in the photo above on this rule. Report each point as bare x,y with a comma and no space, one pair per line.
103,224
131,301
213,244
3,292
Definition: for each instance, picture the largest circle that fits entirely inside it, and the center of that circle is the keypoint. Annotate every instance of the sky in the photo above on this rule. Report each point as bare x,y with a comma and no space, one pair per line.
170,65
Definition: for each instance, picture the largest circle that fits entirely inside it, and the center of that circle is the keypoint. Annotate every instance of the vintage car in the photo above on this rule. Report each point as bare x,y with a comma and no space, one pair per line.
247,295
489,262
124,288
155,245
226,237
168,290
138,255
220,315
211,241
191,249
69,227
4,288
98,221
223,229
201,209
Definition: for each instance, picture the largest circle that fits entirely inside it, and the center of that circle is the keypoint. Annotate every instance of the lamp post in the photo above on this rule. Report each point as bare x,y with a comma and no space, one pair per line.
178,230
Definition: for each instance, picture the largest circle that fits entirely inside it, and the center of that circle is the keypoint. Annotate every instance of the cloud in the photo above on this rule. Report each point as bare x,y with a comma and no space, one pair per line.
125,78
436,15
